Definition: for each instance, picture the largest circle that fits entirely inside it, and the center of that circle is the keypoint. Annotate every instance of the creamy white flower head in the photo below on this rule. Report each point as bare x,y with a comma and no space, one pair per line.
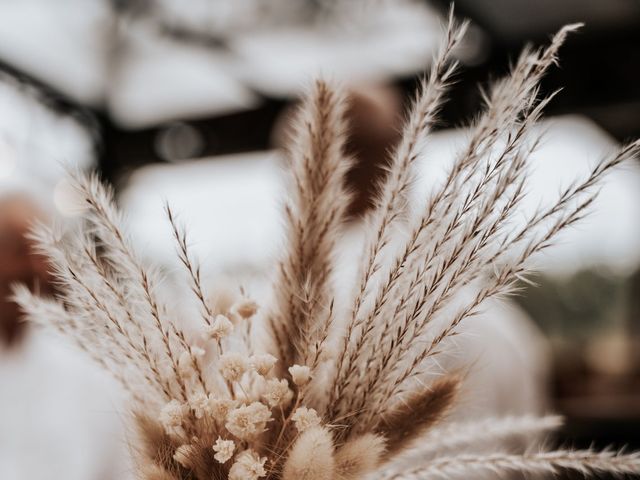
219,329
199,404
172,415
300,374
247,421
276,392
244,309
224,449
233,365
305,418
262,363
220,407
183,455
248,466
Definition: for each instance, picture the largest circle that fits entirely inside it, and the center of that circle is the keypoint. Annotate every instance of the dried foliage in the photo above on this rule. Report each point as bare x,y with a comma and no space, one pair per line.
322,392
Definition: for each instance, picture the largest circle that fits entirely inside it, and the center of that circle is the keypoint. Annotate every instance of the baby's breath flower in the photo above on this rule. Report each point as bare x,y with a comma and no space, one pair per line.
244,309
305,418
219,329
276,392
199,404
247,421
232,366
183,455
262,363
248,466
224,449
220,408
300,374
172,415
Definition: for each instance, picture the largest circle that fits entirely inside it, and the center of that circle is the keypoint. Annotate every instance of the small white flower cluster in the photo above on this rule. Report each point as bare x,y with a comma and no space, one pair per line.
248,466
248,421
172,417
305,418
300,374
224,450
245,411
222,325
219,329
277,392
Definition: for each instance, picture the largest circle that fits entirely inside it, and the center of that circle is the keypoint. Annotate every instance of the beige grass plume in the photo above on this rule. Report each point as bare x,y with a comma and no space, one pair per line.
302,388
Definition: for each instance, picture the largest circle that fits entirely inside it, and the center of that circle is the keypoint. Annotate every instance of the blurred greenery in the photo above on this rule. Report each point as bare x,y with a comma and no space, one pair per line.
580,306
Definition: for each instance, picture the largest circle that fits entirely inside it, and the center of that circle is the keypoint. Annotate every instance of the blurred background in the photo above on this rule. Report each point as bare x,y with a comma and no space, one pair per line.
188,101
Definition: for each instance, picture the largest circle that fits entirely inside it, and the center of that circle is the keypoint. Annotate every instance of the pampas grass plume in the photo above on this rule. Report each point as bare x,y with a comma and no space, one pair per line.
310,388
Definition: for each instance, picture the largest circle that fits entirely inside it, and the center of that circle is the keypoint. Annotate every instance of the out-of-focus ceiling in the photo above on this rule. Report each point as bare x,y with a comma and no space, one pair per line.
515,19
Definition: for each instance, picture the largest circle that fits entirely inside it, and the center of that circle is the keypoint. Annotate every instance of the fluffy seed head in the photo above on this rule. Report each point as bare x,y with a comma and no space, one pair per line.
184,455
311,457
359,456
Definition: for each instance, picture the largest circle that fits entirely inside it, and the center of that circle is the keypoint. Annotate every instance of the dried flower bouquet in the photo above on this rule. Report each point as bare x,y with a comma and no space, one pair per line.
305,389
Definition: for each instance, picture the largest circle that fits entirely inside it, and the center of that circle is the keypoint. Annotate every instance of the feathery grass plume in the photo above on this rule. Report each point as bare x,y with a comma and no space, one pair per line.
313,216
213,405
391,206
192,268
489,431
493,182
585,462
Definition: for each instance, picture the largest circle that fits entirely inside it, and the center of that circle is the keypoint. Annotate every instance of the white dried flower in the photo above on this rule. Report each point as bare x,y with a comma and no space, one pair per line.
262,363
305,418
220,407
247,421
219,329
172,415
300,374
183,455
232,366
199,404
244,309
224,449
276,392
248,466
